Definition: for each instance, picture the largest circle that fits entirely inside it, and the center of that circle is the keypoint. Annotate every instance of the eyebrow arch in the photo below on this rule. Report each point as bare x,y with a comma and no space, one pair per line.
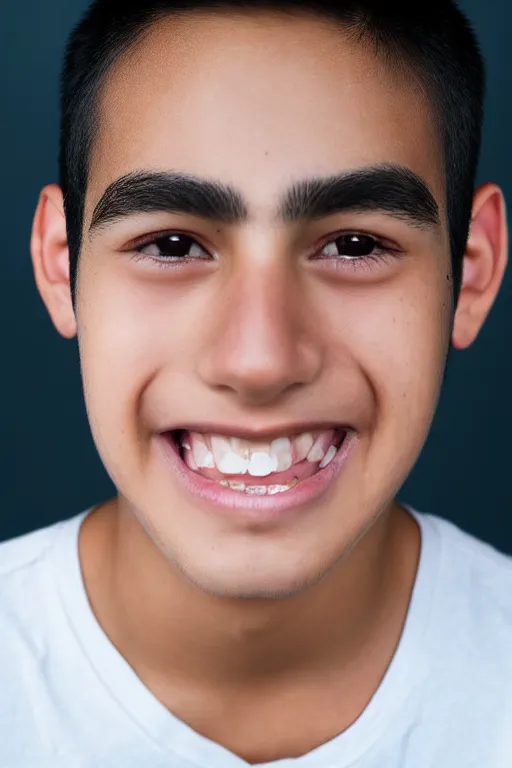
391,189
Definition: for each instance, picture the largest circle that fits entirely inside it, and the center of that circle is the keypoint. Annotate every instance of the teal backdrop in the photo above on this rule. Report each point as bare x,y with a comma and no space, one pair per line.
49,466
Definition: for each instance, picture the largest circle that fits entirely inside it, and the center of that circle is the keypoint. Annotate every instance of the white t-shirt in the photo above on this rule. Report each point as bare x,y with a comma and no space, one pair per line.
68,699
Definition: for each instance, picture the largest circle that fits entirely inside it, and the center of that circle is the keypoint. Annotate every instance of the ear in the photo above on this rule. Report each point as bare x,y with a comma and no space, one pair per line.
484,264
50,259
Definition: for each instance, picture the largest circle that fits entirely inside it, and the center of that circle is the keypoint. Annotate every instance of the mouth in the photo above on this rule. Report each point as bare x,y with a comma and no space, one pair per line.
258,467
263,474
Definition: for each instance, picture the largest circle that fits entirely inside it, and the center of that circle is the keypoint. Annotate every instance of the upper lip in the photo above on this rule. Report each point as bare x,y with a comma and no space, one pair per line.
260,433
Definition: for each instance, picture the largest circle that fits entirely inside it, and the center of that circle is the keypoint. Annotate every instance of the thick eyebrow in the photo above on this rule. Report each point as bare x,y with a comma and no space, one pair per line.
167,191
391,189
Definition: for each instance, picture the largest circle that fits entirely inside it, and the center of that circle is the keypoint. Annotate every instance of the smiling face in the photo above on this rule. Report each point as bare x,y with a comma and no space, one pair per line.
275,324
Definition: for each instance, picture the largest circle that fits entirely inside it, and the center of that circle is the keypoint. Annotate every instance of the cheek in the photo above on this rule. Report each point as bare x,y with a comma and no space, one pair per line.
126,335
400,342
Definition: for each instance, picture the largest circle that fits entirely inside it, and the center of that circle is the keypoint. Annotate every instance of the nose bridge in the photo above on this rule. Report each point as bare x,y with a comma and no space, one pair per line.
259,343
263,308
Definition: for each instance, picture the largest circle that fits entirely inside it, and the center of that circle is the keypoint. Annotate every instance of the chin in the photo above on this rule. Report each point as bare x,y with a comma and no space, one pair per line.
256,577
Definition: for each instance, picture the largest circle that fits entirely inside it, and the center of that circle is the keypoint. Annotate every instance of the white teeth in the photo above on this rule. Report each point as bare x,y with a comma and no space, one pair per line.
241,447
234,456
272,489
202,455
207,461
262,464
316,453
281,451
329,456
303,445
220,447
257,490
232,464
234,486
189,460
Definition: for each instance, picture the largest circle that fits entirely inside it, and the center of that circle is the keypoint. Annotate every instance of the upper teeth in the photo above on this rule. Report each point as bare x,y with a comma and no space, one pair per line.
233,456
261,464
329,456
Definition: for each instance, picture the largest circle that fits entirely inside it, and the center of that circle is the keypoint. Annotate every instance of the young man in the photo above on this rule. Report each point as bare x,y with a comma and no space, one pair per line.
266,238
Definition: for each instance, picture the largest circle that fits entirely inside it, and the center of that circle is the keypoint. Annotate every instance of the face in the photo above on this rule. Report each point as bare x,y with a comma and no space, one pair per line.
260,327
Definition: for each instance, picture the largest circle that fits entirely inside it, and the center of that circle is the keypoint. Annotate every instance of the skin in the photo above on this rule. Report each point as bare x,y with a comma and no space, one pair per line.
266,336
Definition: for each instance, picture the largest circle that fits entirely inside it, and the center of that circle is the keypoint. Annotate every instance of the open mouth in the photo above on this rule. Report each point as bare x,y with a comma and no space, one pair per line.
260,468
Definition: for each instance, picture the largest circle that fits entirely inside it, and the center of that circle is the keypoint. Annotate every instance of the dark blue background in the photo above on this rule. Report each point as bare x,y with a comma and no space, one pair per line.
49,466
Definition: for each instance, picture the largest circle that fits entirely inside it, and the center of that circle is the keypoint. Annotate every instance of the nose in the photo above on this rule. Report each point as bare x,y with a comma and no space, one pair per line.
261,342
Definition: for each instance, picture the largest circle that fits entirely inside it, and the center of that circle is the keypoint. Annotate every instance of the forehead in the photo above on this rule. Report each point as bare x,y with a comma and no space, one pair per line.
258,100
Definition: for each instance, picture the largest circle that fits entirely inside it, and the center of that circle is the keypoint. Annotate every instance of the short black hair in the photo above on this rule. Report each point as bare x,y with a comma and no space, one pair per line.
432,38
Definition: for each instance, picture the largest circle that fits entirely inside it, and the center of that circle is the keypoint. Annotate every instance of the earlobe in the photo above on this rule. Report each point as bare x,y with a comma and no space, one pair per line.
50,259
484,264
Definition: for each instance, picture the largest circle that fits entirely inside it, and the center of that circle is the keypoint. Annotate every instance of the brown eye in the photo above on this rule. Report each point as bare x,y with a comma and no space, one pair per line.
174,247
351,246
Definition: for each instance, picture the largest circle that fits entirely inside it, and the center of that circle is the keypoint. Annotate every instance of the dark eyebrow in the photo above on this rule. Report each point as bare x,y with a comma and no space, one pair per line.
390,189
167,191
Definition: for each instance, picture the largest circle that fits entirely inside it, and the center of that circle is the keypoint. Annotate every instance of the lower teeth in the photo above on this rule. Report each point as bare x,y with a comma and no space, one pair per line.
258,490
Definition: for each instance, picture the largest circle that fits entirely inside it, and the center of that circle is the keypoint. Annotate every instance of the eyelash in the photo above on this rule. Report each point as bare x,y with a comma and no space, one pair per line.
356,262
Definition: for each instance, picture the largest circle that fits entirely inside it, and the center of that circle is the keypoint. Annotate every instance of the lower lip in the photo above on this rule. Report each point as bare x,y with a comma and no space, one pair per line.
257,508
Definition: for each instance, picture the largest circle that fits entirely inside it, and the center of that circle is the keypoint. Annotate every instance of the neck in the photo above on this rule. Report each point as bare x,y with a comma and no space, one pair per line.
170,630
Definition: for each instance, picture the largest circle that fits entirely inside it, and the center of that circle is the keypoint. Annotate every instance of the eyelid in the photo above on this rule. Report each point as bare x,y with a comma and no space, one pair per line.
383,242
148,239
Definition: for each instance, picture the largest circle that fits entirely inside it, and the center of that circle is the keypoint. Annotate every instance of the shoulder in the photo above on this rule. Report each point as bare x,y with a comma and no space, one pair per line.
23,551
33,638
23,556
489,568
26,584
461,649
29,600
474,590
